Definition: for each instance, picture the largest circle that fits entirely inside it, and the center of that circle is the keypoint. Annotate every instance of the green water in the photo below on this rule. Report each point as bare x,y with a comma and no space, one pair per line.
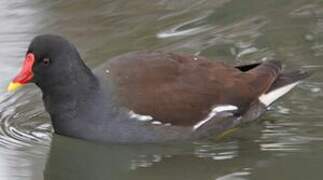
287,143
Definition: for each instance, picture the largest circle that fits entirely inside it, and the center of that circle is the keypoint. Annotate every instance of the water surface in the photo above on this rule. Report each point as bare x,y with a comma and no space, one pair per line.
286,143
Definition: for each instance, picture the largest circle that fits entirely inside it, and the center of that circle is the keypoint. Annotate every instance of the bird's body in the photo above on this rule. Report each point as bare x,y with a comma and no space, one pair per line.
153,96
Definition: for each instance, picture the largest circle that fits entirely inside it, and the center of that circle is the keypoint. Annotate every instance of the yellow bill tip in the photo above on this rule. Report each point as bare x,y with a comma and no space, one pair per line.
13,86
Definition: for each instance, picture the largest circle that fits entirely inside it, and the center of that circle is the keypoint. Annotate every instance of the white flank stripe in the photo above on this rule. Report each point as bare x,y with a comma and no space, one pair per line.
213,112
271,96
140,117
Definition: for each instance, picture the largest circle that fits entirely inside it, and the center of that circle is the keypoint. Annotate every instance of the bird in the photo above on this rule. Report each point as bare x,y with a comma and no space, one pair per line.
149,96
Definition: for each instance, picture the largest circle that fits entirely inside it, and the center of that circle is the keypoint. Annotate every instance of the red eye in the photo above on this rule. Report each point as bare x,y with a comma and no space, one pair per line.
46,61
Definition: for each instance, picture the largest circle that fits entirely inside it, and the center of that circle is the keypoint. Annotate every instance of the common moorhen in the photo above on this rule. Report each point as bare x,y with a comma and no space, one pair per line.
149,96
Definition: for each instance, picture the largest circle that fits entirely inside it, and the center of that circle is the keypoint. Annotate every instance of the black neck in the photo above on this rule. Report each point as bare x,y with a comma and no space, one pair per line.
77,101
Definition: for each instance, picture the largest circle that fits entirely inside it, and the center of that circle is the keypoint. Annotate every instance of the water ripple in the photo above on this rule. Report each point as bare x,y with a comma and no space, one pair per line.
20,125
180,30
218,151
235,176
285,137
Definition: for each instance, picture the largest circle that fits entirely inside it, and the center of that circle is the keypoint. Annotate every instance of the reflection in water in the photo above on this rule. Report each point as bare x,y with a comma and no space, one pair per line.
218,151
289,139
164,161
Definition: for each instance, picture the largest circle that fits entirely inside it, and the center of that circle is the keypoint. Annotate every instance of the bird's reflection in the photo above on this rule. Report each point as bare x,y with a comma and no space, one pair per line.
75,159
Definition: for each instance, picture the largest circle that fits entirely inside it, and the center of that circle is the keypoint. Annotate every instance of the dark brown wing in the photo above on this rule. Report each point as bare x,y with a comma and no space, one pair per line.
181,89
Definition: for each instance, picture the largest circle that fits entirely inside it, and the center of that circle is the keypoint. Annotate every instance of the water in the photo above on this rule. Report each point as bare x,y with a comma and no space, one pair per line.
286,144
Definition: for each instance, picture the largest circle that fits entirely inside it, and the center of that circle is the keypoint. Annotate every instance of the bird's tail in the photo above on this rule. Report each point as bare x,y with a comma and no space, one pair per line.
282,85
